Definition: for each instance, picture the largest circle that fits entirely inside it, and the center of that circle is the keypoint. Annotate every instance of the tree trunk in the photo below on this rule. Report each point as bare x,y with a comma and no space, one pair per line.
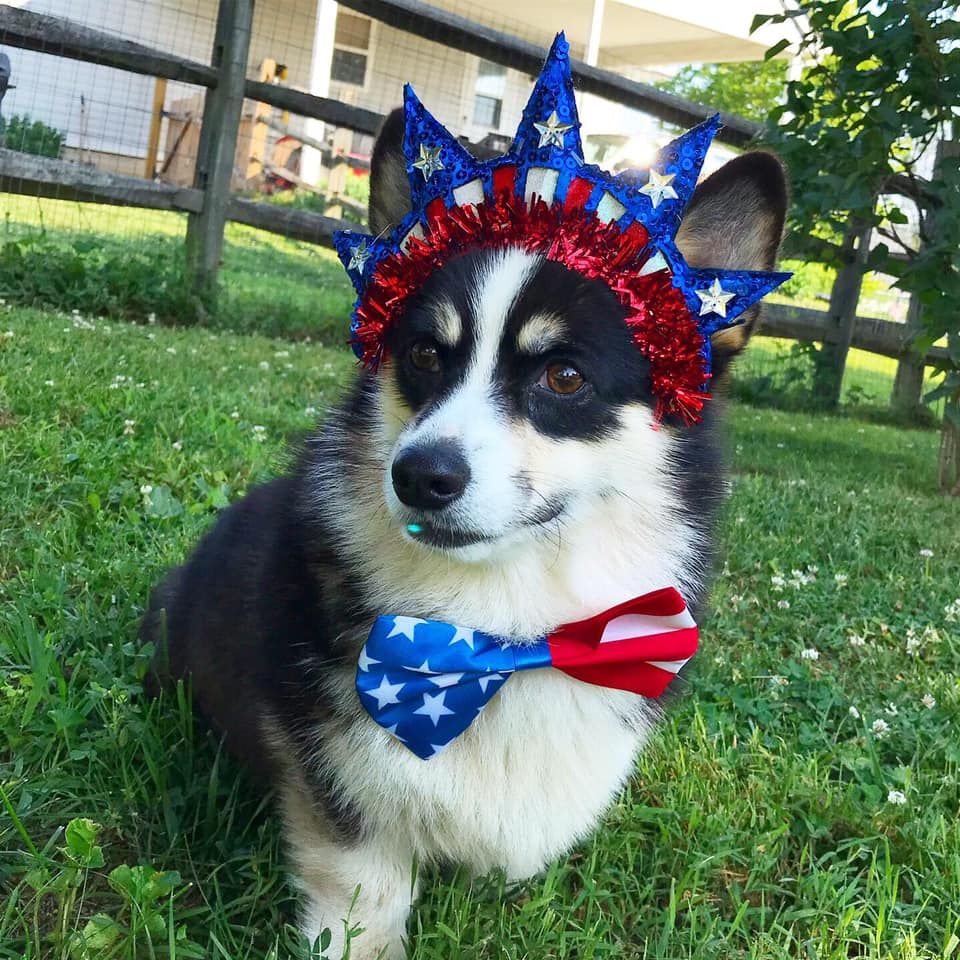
949,466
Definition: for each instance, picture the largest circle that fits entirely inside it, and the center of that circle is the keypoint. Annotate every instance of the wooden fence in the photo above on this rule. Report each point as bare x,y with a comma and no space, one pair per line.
209,204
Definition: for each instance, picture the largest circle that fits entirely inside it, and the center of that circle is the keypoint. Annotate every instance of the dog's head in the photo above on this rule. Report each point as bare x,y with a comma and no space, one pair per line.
513,404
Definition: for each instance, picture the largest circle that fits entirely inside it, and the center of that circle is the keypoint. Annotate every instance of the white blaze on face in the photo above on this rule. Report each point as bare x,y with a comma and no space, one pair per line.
470,415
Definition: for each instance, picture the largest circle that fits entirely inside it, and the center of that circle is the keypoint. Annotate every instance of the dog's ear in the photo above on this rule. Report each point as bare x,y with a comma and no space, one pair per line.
735,222
389,188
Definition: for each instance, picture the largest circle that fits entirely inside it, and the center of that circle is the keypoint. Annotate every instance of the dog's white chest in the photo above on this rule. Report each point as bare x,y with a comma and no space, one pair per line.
532,775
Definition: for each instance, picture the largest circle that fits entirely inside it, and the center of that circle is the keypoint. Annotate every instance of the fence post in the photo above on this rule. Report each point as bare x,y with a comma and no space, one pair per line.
907,393
908,383
842,315
218,144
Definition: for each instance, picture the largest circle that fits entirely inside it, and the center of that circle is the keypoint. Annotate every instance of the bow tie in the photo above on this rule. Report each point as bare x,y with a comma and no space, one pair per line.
425,681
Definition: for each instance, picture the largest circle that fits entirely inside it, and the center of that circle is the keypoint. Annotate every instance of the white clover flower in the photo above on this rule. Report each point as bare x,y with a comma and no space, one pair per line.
9,334
926,552
48,383
783,604
880,728
151,318
928,700
952,611
151,336
840,579
264,365
310,411
735,598
177,445
811,653
235,415
744,520
914,643
854,712
897,798
856,640
281,354
891,710
259,433
171,350
777,582
146,489
129,427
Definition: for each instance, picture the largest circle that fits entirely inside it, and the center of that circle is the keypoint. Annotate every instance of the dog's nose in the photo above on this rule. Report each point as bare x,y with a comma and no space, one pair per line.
431,476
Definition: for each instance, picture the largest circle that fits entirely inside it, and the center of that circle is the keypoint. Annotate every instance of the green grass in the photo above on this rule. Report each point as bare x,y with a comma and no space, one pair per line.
758,825
121,262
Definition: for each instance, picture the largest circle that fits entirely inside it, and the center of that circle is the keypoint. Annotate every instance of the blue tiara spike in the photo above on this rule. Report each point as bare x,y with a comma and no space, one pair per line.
718,298
360,253
672,178
549,132
437,163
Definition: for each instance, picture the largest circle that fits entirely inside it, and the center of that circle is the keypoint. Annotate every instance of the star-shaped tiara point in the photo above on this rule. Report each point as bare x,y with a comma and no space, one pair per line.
658,187
552,131
714,299
359,255
429,161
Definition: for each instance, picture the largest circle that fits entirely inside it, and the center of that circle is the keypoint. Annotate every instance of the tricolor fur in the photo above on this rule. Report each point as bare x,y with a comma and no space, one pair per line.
536,509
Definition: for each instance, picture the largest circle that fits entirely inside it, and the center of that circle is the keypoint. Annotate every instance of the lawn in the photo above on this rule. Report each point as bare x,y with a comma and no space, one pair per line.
801,801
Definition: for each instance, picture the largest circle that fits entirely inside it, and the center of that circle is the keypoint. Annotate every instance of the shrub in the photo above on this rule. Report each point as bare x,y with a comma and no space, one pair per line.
31,136
98,277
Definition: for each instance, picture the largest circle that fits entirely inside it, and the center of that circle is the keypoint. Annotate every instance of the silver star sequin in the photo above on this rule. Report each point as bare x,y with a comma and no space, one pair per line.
429,162
658,187
359,255
714,299
552,131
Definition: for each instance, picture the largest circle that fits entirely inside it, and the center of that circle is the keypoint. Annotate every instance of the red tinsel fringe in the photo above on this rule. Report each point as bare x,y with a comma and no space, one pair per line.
663,328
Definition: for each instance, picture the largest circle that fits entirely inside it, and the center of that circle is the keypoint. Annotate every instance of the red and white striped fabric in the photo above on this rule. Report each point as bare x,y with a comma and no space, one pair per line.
639,645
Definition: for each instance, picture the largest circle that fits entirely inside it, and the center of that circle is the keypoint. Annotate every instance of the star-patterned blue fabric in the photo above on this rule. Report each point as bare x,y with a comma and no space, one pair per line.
450,672
548,142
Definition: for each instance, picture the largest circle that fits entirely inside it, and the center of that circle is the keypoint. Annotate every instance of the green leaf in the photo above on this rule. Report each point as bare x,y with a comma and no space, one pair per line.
778,47
99,934
81,837
162,503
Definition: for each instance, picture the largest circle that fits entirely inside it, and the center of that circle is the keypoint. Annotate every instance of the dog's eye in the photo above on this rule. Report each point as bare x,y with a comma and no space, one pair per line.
425,356
562,378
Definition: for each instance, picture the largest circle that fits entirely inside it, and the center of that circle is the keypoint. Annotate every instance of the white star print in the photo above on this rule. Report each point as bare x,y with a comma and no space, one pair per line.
461,634
658,187
714,299
404,627
359,255
447,679
423,668
386,693
552,131
485,681
434,708
364,660
429,162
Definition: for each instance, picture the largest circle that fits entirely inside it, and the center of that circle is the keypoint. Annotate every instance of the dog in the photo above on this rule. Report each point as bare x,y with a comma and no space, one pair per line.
506,469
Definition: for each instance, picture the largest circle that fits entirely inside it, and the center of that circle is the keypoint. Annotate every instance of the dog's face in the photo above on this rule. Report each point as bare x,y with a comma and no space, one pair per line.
513,401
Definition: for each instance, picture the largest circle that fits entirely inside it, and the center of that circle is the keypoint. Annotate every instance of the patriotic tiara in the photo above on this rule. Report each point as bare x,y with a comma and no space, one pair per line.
542,197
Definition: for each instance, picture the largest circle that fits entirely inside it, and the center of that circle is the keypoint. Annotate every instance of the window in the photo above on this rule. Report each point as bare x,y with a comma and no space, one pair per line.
488,94
351,48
